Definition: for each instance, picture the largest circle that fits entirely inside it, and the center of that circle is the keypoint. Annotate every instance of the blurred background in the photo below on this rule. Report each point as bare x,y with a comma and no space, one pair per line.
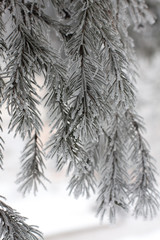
62,217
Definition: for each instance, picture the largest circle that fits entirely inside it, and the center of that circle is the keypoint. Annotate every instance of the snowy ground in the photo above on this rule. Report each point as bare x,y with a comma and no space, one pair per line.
61,217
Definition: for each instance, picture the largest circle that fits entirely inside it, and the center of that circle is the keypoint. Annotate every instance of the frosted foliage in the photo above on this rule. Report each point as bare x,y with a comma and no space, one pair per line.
13,226
32,169
90,97
83,181
144,194
114,176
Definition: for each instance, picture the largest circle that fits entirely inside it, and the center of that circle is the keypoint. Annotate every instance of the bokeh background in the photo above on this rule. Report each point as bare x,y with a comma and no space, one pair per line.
62,217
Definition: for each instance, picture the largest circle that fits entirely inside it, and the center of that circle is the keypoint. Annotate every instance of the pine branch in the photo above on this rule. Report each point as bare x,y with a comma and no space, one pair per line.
85,84
13,225
55,101
83,179
119,81
113,189
27,56
75,122
86,81
144,194
65,146
32,169
120,85
85,93
123,23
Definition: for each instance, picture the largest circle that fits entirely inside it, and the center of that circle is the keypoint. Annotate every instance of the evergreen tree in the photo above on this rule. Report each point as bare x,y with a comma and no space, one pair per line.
90,97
